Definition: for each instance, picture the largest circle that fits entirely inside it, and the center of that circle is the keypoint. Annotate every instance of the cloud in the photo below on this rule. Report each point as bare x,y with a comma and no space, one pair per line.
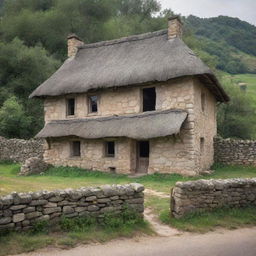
243,9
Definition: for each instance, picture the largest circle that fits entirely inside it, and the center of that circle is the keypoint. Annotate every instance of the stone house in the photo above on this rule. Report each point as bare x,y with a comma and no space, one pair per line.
140,104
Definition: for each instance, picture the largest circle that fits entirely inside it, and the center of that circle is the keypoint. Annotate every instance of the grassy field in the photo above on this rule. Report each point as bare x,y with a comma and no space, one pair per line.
249,79
63,177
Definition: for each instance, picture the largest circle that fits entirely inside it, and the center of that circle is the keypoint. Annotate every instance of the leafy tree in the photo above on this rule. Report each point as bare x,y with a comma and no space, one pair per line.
22,70
14,123
237,118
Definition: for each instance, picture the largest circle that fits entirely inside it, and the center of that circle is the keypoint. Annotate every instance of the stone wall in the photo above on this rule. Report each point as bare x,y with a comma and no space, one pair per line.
19,150
235,152
93,156
182,155
203,195
20,211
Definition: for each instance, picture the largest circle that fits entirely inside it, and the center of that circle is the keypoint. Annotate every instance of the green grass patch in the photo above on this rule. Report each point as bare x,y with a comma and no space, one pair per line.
229,218
72,177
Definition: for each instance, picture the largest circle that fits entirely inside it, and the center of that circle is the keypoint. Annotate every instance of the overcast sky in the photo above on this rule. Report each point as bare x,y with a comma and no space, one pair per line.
243,9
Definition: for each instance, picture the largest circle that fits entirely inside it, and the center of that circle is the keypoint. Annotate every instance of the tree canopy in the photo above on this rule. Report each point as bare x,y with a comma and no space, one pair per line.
33,45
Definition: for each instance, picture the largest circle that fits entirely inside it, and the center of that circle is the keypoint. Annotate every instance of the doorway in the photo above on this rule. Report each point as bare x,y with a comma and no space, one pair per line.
142,156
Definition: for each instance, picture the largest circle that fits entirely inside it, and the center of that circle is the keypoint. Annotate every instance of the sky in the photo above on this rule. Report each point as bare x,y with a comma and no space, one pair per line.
243,9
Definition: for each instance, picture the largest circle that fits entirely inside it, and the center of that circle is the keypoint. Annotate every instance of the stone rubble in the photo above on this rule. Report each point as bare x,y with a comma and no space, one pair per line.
33,165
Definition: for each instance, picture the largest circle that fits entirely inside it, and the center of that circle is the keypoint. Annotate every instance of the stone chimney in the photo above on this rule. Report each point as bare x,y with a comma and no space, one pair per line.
73,43
174,27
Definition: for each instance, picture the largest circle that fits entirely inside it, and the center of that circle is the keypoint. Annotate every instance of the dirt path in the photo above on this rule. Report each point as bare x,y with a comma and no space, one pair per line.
240,242
156,193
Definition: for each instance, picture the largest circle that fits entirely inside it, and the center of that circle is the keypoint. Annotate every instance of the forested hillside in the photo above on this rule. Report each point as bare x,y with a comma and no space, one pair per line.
33,45
231,40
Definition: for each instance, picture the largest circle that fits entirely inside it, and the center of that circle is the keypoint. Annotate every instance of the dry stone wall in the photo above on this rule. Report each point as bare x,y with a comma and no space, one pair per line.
19,211
203,195
19,150
235,152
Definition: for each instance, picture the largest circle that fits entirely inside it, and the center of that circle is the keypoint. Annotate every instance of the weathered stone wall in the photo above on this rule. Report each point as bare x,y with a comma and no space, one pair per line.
92,155
205,127
19,150
182,155
235,152
206,195
176,94
20,211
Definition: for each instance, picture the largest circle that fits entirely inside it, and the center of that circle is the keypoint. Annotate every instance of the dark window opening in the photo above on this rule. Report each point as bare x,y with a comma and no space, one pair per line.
110,148
202,145
49,144
112,169
149,99
144,148
203,101
75,148
93,104
71,107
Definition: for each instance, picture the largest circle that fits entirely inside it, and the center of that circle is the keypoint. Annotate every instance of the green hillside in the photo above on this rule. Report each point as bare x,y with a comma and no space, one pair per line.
230,40
248,79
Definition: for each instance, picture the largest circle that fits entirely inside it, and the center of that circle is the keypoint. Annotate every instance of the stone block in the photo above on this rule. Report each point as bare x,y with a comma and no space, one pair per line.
5,220
18,217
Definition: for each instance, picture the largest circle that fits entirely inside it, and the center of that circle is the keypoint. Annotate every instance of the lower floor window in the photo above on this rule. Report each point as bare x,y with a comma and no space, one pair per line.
75,148
110,149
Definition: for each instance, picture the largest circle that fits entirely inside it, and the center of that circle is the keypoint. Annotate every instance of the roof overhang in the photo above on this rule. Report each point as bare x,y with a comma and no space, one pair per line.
141,126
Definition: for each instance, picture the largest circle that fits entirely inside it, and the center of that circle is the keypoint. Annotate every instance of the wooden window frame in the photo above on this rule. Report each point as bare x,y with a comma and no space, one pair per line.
90,112
72,149
107,151
68,106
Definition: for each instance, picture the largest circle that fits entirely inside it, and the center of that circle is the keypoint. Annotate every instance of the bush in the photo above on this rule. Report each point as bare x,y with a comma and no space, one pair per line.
41,227
77,224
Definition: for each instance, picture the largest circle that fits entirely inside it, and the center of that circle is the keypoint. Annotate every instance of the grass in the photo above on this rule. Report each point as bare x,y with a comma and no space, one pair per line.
208,221
71,232
64,177
249,79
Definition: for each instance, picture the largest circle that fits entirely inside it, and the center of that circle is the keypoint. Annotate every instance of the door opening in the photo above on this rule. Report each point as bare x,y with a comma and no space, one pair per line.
143,149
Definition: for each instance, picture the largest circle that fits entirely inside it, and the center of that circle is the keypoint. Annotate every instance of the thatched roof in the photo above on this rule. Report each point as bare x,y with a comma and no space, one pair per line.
140,126
128,61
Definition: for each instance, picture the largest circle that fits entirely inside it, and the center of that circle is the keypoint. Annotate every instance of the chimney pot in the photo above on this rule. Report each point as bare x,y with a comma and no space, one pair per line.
73,43
174,27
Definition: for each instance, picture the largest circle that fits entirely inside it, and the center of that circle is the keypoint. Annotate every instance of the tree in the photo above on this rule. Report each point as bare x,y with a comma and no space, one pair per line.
236,119
22,70
14,123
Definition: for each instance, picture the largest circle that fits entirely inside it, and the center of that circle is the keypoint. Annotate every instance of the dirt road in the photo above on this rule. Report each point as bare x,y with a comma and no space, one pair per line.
241,242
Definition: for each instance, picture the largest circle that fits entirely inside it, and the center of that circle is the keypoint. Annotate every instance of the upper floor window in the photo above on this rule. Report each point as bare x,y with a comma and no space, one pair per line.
110,149
203,101
149,99
93,104
71,107
75,149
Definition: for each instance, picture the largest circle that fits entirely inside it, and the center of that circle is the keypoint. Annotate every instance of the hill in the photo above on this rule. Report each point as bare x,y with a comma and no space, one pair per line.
230,40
